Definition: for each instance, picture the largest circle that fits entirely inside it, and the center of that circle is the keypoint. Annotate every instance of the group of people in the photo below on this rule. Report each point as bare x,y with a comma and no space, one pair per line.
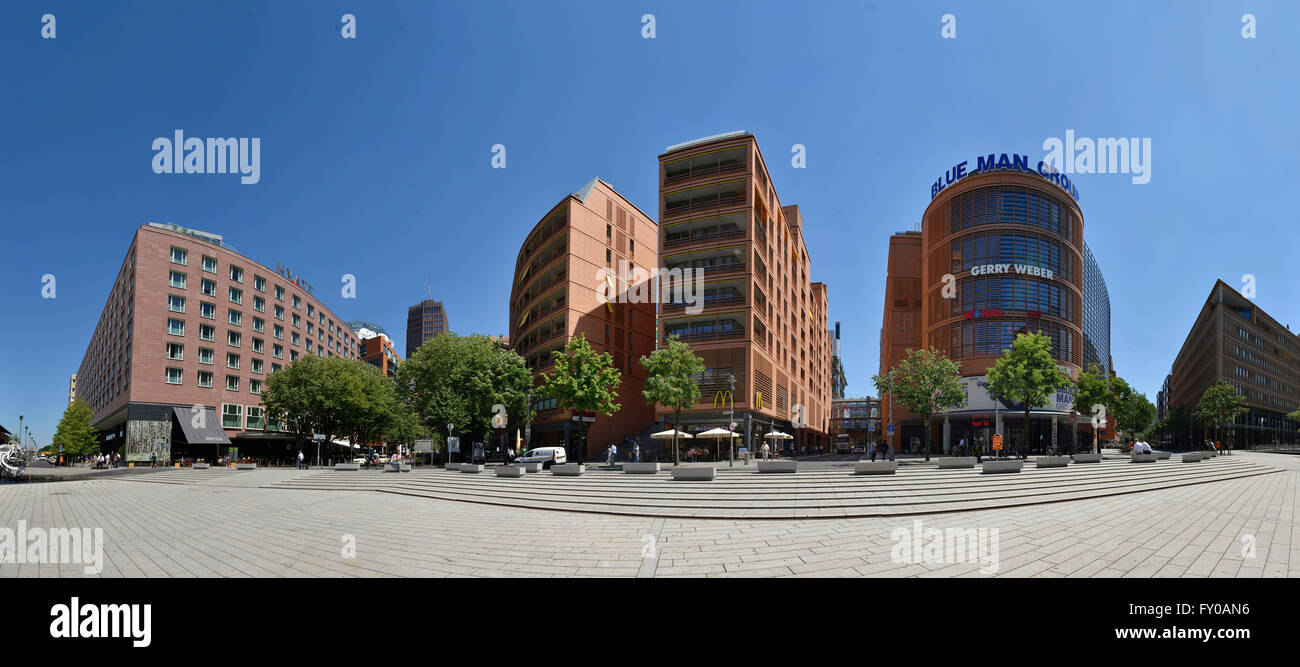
611,453
104,461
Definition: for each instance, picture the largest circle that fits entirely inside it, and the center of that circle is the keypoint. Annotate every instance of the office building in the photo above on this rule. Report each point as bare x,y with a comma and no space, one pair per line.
424,320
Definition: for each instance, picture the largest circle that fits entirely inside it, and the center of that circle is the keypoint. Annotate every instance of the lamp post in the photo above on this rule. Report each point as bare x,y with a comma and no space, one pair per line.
731,419
450,428
20,431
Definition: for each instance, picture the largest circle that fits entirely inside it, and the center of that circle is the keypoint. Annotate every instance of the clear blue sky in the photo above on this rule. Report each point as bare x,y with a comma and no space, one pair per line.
376,151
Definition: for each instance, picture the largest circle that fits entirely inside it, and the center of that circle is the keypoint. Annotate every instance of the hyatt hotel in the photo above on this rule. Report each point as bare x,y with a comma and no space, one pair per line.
1000,252
179,358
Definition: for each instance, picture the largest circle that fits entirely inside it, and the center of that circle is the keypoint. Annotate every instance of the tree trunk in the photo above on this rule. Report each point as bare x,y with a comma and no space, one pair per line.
926,435
1024,447
677,428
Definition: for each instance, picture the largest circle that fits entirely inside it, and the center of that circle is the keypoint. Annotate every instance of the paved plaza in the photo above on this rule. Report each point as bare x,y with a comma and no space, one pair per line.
1095,520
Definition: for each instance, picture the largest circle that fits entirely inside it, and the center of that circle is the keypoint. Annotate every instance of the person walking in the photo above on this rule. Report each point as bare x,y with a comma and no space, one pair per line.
765,450
300,460
612,455
636,452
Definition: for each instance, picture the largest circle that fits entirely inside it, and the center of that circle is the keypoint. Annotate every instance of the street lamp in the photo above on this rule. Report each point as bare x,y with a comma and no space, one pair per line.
731,419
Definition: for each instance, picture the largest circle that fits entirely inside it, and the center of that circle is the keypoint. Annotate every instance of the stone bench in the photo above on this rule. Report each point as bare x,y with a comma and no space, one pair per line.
1193,457
1144,458
777,466
694,473
245,466
510,471
875,467
1002,466
1087,458
948,462
568,469
347,466
1052,462
471,467
397,467
1162,456
534,466
201,466
641,468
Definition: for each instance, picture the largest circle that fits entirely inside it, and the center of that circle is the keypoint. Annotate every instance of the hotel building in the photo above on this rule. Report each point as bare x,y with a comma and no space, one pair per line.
764,322
1000,252
586,246
1235,340
189,333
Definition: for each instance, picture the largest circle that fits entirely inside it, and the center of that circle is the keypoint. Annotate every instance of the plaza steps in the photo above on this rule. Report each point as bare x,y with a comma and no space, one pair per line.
741,493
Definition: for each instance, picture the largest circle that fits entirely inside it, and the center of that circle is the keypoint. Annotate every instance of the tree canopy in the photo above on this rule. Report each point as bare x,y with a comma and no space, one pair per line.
672,380
583,379
1220,404
926,383
74,432
1027,374
457,379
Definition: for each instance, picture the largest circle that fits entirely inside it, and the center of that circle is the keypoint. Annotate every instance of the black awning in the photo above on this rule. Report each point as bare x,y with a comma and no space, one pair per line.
200,429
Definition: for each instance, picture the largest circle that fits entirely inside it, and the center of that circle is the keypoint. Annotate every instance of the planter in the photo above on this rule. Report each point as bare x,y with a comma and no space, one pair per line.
875,467
1002,466
201,466
946,462
471,467
510,471
532,467
777,466
1162,456
347,466
245,466
1087,458
641,468
1193,457
568,469
694,473
1145,458
1052,462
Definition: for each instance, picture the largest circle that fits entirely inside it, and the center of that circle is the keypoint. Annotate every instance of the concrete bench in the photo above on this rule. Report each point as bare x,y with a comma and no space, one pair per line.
347,466
201,466
778,466
641,468
397,467
471,467
1144,458
568,469
535,466
1193,457
1052,462
1087,458
1002,466
875,467
245,466
510,471
948,462
694,473
1162,456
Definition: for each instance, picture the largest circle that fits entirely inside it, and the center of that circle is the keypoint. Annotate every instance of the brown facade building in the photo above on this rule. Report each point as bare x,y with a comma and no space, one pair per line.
761,319
424,320
178,360
576,273
1000,253
1235,340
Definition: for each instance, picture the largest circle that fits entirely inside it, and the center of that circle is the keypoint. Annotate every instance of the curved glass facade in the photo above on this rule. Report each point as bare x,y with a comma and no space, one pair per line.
991,338
1015,293
1096,314
1038,250
1011,205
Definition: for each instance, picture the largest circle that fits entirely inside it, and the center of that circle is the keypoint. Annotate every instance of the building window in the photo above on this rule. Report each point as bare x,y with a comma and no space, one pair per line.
208,287
259,283
235,317
175,351
207,332
254,386
255,416
173,375
294,338
176,327
231,414
309,329
259,324
180,256
237,274
208,310
257,366
279,312
296,302
259,304
279,293
205,379
293,356
209,264
232,360
236,295
295,320
232,383
277,351
205,355
232,338
278,332
176,304
311,310
257,345
177,280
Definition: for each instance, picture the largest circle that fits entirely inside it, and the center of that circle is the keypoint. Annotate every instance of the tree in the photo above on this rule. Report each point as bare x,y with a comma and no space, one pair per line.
671,381
926,383
290,395
1220,404
74,432
1091,389
1027,374
1294,416
584,380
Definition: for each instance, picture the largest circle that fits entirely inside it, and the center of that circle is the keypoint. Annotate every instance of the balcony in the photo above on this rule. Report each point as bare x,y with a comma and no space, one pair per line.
710,197
709,164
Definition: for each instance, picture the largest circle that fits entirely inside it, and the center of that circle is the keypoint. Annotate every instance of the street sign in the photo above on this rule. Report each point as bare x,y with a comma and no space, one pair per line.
424,445
871,427
997,441
576,418
318,436
890,429
453,445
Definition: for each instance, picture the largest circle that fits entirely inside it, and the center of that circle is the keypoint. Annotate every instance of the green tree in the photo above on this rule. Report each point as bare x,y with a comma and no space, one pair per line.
75,433
583,380
1220,404
671,381
1294,416
926,383
1027,374
291,394
1093,388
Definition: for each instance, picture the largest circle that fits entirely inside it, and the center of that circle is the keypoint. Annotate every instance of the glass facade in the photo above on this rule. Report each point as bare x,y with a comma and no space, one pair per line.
1012,205
1096,314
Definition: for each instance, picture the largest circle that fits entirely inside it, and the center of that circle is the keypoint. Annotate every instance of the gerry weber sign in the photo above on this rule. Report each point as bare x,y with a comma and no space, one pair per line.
1003,162
1025,269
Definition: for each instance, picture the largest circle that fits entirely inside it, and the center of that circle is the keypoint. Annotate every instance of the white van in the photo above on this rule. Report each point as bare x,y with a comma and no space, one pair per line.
543,455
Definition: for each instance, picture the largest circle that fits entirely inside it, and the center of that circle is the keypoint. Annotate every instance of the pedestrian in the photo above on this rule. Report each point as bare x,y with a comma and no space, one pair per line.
765,450
300,460
636,452
613,454
153,460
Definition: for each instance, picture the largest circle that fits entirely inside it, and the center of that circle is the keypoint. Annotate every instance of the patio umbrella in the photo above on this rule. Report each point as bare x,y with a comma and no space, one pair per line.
668,435
717,434
777,435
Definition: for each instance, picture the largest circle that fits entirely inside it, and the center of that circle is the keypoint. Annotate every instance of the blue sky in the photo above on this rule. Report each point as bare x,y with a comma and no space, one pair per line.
376,152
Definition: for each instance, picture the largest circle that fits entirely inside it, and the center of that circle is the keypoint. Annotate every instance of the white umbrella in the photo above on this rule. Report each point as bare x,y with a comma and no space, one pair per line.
778,435
668,435
717,433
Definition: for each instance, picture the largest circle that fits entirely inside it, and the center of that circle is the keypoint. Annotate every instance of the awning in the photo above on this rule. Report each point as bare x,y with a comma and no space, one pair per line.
201,428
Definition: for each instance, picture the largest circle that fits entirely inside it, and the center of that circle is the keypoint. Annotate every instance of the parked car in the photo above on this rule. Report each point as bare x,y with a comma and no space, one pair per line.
544,455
